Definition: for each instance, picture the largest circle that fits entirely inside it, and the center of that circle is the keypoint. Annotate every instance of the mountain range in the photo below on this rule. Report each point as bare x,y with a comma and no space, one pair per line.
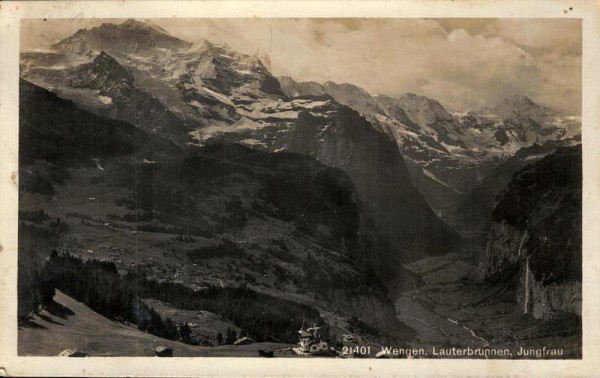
318,185
192,93
449,154
284,224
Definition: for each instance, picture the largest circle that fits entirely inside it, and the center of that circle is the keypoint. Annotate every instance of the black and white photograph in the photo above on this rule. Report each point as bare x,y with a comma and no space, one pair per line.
300,188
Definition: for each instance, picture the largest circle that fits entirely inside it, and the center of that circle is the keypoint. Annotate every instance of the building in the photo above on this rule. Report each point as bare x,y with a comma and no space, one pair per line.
69,352
243,341
163,351
311,342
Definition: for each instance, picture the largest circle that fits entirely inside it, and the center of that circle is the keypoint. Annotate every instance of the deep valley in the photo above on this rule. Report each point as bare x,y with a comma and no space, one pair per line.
179,195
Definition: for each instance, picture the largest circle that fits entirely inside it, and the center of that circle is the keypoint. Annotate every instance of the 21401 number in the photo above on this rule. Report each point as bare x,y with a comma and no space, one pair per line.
356,350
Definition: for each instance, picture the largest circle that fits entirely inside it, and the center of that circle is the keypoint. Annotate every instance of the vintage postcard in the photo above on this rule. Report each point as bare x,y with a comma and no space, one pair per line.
299,188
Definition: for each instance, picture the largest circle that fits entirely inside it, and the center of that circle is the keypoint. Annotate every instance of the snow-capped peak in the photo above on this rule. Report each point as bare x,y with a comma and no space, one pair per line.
423,110
143,25
131,36
518,105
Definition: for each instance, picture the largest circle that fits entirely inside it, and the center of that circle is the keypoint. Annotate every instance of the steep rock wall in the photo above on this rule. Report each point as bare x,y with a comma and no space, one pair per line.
534,242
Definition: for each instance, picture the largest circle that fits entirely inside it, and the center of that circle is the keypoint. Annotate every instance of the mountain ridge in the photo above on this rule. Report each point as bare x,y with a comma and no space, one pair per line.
448,154
236,99
214,92
131,36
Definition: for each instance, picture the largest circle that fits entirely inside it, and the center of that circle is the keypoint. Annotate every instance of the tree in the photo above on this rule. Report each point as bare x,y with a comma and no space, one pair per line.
171,330
231,336
219,338
185,333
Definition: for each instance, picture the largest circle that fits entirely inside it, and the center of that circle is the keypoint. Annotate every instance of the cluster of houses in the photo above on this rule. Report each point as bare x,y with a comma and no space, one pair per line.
185,274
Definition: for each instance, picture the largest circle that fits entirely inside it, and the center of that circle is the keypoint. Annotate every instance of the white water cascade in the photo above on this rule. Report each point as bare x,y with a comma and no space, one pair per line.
521,243
526,301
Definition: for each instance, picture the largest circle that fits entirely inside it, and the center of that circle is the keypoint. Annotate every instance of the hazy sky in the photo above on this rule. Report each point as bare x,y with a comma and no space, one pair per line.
463,63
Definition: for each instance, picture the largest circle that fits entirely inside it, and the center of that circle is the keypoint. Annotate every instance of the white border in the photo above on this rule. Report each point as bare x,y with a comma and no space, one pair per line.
12,12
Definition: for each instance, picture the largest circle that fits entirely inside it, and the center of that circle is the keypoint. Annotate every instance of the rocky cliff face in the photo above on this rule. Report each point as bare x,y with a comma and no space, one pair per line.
115,94
544,301
347,141
292,88
476,205
535,237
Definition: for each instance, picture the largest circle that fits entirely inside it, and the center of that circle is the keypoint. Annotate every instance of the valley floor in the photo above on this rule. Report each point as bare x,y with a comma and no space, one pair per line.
450,310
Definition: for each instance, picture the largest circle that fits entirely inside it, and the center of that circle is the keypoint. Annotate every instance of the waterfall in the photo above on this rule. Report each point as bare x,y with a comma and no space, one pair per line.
526,300
521,242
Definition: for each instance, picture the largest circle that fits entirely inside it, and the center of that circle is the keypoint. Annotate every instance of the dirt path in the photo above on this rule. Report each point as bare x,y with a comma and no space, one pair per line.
433,328
431,315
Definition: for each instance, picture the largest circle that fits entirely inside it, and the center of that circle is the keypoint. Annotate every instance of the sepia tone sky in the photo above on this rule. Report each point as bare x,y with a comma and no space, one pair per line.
463,63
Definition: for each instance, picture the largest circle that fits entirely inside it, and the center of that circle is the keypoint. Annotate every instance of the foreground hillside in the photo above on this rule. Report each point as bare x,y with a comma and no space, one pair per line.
83,329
